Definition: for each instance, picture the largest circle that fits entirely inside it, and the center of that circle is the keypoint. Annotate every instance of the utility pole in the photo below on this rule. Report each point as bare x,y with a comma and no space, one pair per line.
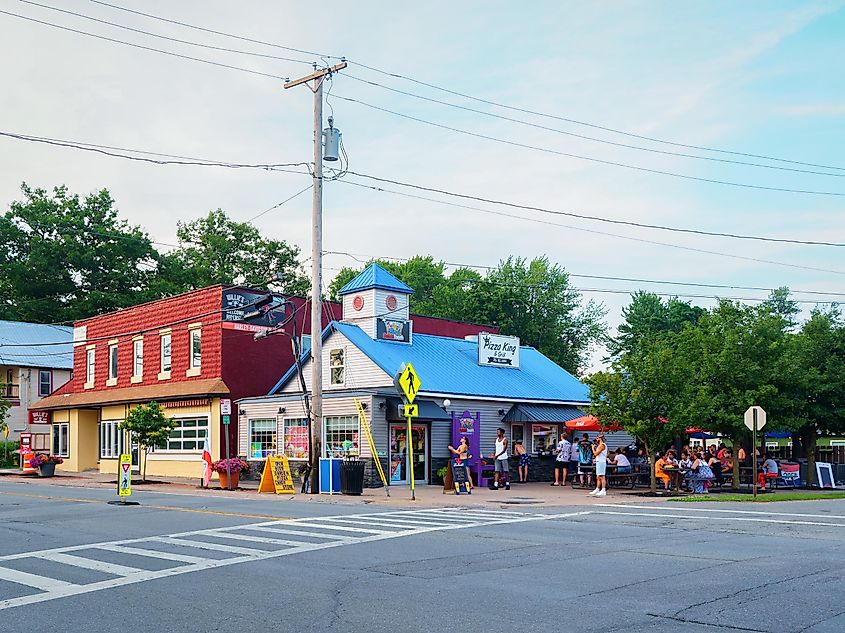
316,422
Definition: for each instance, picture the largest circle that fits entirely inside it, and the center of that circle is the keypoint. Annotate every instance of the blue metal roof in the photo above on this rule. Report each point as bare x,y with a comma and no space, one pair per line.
374,276
552,413
22,345
450,366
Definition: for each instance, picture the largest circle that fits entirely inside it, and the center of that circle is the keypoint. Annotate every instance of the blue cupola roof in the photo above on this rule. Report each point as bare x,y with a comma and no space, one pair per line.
374,276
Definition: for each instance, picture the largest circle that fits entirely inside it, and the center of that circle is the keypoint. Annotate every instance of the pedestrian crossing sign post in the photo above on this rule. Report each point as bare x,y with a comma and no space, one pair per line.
124,481
409,383
412,410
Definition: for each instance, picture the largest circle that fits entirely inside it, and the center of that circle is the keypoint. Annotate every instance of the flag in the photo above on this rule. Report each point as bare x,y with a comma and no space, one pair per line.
206,457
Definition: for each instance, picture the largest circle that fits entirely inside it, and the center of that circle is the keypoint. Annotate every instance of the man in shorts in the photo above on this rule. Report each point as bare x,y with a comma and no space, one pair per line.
563,450
500,457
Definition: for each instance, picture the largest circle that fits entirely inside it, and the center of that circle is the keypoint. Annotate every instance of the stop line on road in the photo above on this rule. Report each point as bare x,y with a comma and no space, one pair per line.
197,550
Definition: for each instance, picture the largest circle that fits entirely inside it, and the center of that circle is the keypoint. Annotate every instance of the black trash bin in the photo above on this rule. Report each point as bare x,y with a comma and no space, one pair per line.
352,477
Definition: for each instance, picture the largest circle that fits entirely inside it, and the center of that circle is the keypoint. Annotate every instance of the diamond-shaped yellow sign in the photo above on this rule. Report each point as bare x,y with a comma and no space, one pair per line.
409,382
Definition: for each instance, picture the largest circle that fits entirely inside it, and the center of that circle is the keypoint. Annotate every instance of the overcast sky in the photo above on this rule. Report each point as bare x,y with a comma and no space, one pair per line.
756,77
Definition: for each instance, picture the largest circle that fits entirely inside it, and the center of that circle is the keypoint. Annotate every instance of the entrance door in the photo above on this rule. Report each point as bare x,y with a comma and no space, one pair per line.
399,466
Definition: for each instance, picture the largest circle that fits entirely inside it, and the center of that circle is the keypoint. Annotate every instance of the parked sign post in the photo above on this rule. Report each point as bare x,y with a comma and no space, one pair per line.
124,481
755,419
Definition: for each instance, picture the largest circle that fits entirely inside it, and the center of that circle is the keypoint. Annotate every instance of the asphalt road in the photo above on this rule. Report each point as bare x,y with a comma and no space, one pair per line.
70,562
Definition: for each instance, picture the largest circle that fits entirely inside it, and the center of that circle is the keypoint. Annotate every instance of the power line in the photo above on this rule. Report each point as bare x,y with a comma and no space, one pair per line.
586,124
206,30
357,258
165,37
593,159
461,94
593,231
583,136
142,47
276,206
596,218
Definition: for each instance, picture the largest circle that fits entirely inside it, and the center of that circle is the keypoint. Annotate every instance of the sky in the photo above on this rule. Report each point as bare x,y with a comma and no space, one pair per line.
759,78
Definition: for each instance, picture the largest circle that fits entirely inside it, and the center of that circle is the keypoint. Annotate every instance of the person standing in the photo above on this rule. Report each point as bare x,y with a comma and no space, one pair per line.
585,457
600,457
562,452
524,461
501,460
573,458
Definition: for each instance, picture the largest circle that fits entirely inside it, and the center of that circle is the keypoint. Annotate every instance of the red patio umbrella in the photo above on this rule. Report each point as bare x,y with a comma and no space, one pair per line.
590,423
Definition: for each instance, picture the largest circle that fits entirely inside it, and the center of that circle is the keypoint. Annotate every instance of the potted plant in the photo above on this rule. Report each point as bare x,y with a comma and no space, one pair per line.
46,464
224,467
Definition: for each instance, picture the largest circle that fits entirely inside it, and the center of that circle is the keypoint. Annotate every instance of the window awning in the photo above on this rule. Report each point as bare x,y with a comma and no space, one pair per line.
543,413
429,411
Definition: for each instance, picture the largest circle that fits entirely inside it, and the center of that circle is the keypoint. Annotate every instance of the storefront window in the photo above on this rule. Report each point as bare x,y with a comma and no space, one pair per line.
296,438
543,437
341,435
60,439
517,433
262,438
189,435
110,439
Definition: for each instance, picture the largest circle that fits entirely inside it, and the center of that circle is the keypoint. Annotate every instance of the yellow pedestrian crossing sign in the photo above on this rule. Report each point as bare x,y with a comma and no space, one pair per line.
409,382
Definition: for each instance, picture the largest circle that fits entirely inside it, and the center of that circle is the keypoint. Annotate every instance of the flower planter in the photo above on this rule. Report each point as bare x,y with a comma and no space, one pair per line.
224,480
47,469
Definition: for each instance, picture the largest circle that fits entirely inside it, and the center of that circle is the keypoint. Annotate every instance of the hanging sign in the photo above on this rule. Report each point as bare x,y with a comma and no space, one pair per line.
124,481
393,330
276,476
495,350
40,417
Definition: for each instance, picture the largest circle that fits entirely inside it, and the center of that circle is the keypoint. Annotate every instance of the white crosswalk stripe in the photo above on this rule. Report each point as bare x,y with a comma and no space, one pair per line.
136,555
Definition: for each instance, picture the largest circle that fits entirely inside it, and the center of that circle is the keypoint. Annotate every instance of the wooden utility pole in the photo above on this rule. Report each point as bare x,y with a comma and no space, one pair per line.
316,421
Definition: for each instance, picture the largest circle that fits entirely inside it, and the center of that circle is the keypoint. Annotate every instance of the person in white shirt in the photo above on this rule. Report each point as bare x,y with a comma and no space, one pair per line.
573,458
600,459
563,451
500,457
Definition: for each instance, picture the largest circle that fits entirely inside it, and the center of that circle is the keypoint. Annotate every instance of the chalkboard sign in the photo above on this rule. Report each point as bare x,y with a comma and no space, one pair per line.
460,477
277,476
825,473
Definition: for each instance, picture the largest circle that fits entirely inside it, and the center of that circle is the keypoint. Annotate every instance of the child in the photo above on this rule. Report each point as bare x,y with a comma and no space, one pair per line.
524,461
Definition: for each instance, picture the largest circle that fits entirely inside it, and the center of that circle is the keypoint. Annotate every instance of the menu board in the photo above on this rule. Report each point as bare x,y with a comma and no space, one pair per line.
459,476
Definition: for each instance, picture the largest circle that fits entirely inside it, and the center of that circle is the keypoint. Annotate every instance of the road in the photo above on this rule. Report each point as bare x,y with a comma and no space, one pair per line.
201,563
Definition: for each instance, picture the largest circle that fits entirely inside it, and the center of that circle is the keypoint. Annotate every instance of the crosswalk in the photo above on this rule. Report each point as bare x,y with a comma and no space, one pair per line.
42,575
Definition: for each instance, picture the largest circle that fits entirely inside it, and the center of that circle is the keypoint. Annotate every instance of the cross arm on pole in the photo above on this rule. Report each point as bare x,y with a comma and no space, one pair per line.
316,75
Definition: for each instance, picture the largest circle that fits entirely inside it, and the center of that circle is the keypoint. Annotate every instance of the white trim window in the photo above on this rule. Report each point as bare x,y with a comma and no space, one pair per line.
60,439
165,352
45,382
189,436
111,439
262,438
337,366
138,358
296,438
196,348
517,433
543,437
90,358
341,435
112,362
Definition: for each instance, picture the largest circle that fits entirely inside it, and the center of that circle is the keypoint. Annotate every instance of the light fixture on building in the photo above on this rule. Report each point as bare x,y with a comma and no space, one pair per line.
381,405
281,410
242,412
364,406
447,402
501,412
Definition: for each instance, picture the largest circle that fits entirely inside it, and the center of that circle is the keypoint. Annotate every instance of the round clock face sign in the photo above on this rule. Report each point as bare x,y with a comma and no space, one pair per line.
391,302
358,303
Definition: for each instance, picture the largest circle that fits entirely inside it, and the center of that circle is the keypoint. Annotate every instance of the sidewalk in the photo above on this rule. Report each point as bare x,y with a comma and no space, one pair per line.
520,496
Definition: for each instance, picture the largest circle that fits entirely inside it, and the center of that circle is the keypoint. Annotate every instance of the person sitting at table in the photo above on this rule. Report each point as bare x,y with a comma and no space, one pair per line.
685,464
770,471
621,461
659,468
699,475
715,465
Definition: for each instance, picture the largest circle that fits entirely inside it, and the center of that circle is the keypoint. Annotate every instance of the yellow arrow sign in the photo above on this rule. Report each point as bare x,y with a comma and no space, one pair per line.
412,410
409,382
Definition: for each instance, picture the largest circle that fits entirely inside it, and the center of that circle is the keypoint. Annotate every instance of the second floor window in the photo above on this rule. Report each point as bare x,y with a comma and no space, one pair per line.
196,349
112,361
165,352
138,358
337,364
89,366
45,382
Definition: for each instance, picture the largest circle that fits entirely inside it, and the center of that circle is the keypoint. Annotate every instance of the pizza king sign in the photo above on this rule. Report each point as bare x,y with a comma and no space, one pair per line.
498,351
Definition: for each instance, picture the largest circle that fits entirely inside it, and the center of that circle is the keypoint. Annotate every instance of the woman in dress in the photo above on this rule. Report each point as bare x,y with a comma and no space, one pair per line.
700,473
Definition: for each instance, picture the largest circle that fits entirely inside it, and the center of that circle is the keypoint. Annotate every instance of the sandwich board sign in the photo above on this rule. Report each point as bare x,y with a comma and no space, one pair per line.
276,476
124,481
460,477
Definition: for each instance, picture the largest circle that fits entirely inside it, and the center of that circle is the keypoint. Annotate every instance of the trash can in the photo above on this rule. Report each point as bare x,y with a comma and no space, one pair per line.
352,477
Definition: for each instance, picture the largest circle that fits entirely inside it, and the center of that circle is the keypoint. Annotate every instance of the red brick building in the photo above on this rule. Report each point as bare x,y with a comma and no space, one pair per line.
188,353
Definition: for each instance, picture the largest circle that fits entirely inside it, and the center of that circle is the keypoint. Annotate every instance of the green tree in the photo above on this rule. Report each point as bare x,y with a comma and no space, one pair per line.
817,357
149,427
64,257
643,393
217,250
648,315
